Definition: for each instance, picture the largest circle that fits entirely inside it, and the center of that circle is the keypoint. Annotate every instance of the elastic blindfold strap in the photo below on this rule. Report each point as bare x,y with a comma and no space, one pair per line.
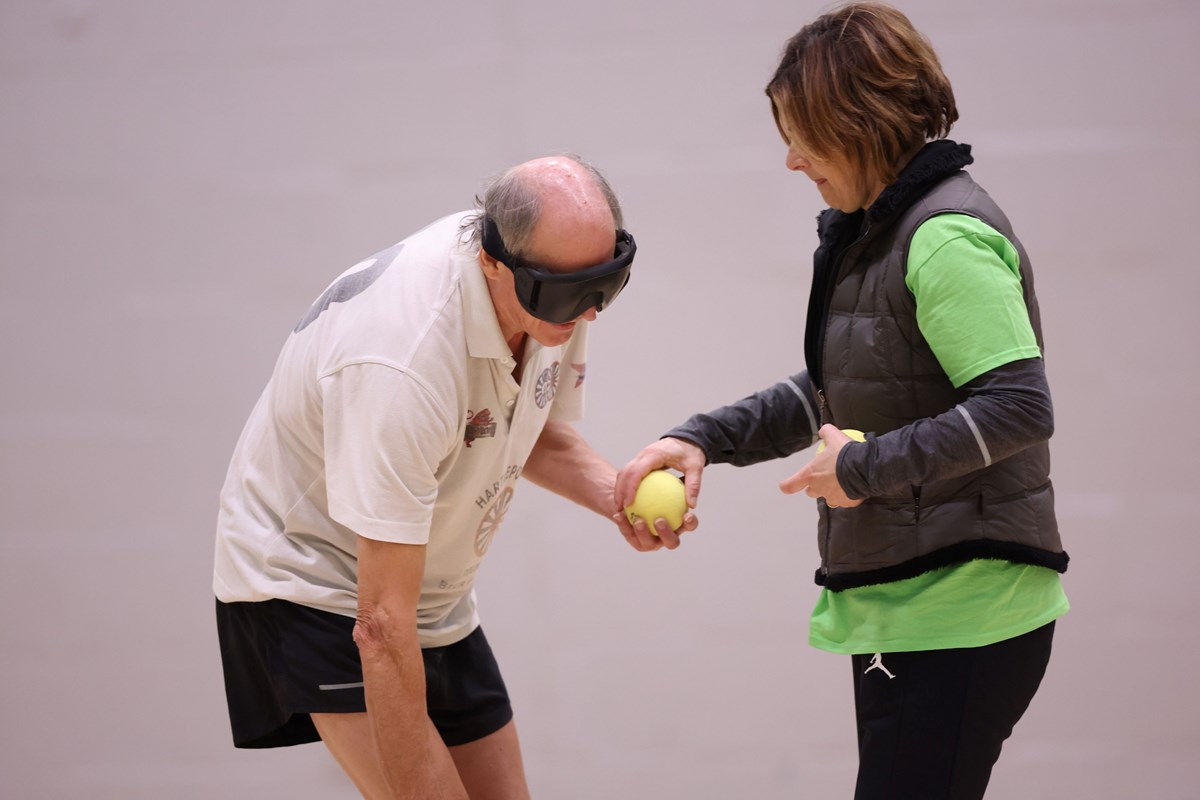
493,243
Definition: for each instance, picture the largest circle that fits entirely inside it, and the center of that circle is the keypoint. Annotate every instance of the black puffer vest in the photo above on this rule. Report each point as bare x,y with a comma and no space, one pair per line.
877,374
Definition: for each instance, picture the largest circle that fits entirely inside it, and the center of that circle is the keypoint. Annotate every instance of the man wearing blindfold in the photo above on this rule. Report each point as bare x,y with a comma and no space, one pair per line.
377,467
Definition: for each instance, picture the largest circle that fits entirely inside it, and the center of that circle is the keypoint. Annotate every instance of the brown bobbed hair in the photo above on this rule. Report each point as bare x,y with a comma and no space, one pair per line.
860,83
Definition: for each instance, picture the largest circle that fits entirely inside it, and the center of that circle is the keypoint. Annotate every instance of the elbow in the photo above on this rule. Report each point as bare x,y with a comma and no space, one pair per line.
378,630
1042,422
369,629
1035,430
1035,416
1047,429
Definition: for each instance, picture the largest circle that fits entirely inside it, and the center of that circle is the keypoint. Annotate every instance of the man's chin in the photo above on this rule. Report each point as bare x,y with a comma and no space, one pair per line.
551,335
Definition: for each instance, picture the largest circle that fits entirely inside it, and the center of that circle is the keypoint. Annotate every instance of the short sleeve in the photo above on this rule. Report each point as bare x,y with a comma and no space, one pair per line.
966,279
385,436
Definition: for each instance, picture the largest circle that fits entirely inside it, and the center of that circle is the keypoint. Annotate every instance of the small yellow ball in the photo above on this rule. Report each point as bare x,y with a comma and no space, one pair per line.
857,436
660,494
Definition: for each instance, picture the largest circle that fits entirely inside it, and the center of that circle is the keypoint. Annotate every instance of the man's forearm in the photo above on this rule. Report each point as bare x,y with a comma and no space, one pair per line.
414,759
564,463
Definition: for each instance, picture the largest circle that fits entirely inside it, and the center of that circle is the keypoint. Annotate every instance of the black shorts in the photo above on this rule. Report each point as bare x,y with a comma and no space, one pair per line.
285,661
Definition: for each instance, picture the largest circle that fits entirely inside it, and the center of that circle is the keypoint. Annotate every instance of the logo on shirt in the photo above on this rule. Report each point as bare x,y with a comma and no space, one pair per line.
479,426
582,370
350,286
547,386
491,521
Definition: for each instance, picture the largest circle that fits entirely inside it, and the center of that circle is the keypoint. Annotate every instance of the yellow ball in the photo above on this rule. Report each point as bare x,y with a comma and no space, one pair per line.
857,436
660,494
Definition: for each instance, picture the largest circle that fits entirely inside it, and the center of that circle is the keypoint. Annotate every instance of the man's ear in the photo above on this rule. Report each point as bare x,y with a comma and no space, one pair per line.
491,266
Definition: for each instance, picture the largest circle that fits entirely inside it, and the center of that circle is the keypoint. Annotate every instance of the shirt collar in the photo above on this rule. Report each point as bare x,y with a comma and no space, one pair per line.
484,339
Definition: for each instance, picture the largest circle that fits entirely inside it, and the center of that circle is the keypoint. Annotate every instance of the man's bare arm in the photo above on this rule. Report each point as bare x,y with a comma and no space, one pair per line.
413,757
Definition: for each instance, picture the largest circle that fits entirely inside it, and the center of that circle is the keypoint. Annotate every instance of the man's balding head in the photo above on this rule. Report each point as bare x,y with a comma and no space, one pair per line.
575,226
543,204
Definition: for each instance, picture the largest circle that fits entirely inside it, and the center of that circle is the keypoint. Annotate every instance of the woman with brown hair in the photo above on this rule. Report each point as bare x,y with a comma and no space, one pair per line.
940,553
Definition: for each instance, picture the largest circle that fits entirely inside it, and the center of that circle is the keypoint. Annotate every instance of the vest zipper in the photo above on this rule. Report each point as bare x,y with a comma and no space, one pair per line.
827,536
820,376
916,493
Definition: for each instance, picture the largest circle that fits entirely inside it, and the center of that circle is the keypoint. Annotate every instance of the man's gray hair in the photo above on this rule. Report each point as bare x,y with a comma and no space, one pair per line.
511,199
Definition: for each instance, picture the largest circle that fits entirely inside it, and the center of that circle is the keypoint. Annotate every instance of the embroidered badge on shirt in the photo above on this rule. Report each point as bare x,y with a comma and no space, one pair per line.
479,426
547,386
582,370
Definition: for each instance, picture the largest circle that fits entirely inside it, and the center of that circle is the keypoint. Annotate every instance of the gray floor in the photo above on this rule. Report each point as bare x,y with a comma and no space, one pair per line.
179,180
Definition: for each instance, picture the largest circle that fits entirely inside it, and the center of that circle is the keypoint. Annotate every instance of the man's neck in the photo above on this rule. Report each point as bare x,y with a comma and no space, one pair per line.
517,345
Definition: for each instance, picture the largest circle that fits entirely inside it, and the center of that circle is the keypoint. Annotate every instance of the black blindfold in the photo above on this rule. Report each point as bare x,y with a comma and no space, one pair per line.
560,297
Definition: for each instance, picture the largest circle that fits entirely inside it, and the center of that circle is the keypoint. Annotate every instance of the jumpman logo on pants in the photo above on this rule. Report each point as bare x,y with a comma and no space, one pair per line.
877,663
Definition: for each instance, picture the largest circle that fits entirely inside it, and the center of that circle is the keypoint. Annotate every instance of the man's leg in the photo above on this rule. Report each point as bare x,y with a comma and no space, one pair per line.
466,694
491,768
469,703
348,737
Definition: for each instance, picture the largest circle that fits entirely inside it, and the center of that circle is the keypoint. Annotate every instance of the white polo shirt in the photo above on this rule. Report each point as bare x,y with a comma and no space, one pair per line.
392,414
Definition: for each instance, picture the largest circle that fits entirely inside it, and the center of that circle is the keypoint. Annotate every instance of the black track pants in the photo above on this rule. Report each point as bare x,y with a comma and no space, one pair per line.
931,723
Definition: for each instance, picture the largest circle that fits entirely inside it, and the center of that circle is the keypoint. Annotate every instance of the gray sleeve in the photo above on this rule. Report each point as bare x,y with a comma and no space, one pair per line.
772,423
1006,410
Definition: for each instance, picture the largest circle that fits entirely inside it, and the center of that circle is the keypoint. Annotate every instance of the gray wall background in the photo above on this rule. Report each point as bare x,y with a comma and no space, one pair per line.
179,180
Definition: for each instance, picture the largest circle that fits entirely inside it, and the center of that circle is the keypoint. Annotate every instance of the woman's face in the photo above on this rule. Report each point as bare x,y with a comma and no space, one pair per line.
840,186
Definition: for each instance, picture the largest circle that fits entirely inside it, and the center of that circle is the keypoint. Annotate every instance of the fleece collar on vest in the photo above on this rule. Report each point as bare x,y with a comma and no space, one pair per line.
931,164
